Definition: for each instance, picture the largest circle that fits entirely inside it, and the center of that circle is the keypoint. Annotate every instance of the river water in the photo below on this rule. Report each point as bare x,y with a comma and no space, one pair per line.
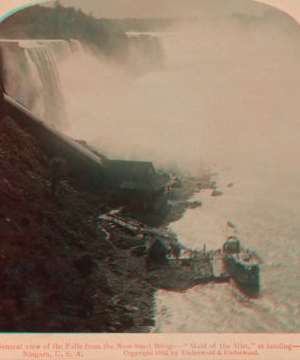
269,226
249,126
227,100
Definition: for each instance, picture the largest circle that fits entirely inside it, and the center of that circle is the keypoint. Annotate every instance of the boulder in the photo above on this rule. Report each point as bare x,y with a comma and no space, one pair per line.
216,193
194,204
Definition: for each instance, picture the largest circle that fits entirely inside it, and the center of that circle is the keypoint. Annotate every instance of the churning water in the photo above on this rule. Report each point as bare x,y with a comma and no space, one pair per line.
227,99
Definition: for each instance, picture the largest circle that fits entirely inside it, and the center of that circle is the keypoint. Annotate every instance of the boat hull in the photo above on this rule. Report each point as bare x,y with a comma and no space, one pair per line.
241,275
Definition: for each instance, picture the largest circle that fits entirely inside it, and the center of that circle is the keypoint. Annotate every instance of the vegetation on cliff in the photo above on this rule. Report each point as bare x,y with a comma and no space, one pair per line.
59,271
38,22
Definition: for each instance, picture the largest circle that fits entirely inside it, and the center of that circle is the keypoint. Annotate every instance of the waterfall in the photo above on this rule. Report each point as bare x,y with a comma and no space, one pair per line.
60,48
145,53
37,107
75,46
31,75
43,59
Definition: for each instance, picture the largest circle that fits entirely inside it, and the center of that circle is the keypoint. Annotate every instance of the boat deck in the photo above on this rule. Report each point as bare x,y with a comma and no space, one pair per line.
219,270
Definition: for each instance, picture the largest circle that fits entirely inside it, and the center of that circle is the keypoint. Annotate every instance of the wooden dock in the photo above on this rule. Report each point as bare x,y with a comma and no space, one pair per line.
205,266
190,267
220,273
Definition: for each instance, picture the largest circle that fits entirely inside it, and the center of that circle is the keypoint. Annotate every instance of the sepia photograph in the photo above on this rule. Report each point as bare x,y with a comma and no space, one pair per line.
149,181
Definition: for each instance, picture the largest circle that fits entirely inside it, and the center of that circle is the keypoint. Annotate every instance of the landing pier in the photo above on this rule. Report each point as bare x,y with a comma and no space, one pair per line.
204,266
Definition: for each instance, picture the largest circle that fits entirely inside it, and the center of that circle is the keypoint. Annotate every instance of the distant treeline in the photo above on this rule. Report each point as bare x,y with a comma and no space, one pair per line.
149,24
59,22
105,35
38,22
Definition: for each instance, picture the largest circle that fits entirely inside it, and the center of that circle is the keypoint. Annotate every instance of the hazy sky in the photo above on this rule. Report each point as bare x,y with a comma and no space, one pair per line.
129,8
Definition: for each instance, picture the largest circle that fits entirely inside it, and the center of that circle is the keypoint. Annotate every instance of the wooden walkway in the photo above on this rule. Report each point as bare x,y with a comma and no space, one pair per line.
219,270
202,266
124,222
205,266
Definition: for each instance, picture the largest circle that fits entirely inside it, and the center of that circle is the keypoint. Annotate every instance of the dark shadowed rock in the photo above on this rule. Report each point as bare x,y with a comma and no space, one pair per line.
84,264
193,204
139,251
126,321
216,193
149,322
103,285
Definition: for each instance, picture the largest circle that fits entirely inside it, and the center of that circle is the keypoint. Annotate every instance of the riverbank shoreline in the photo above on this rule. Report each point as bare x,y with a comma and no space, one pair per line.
60,271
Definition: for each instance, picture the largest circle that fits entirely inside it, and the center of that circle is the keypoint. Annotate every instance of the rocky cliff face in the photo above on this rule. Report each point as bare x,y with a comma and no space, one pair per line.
59,273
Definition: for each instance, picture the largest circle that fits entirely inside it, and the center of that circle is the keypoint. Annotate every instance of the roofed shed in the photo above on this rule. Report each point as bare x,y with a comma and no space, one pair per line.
120,171
158,249
137,182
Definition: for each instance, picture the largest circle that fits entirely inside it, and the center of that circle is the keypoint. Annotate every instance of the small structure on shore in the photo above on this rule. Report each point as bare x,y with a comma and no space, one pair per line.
158,250
137,182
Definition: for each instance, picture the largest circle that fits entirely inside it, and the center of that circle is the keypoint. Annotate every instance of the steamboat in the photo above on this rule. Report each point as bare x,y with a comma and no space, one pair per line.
243,265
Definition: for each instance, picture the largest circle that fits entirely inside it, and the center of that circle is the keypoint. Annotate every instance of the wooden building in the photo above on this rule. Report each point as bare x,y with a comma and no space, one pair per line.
137,183
157,255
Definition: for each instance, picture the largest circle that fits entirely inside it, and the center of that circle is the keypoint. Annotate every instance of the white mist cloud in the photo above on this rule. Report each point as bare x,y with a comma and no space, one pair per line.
227,96
224,98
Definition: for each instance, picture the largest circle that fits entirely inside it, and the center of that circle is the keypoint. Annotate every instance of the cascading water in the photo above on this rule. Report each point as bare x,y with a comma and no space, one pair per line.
75,46
42,58
31,75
